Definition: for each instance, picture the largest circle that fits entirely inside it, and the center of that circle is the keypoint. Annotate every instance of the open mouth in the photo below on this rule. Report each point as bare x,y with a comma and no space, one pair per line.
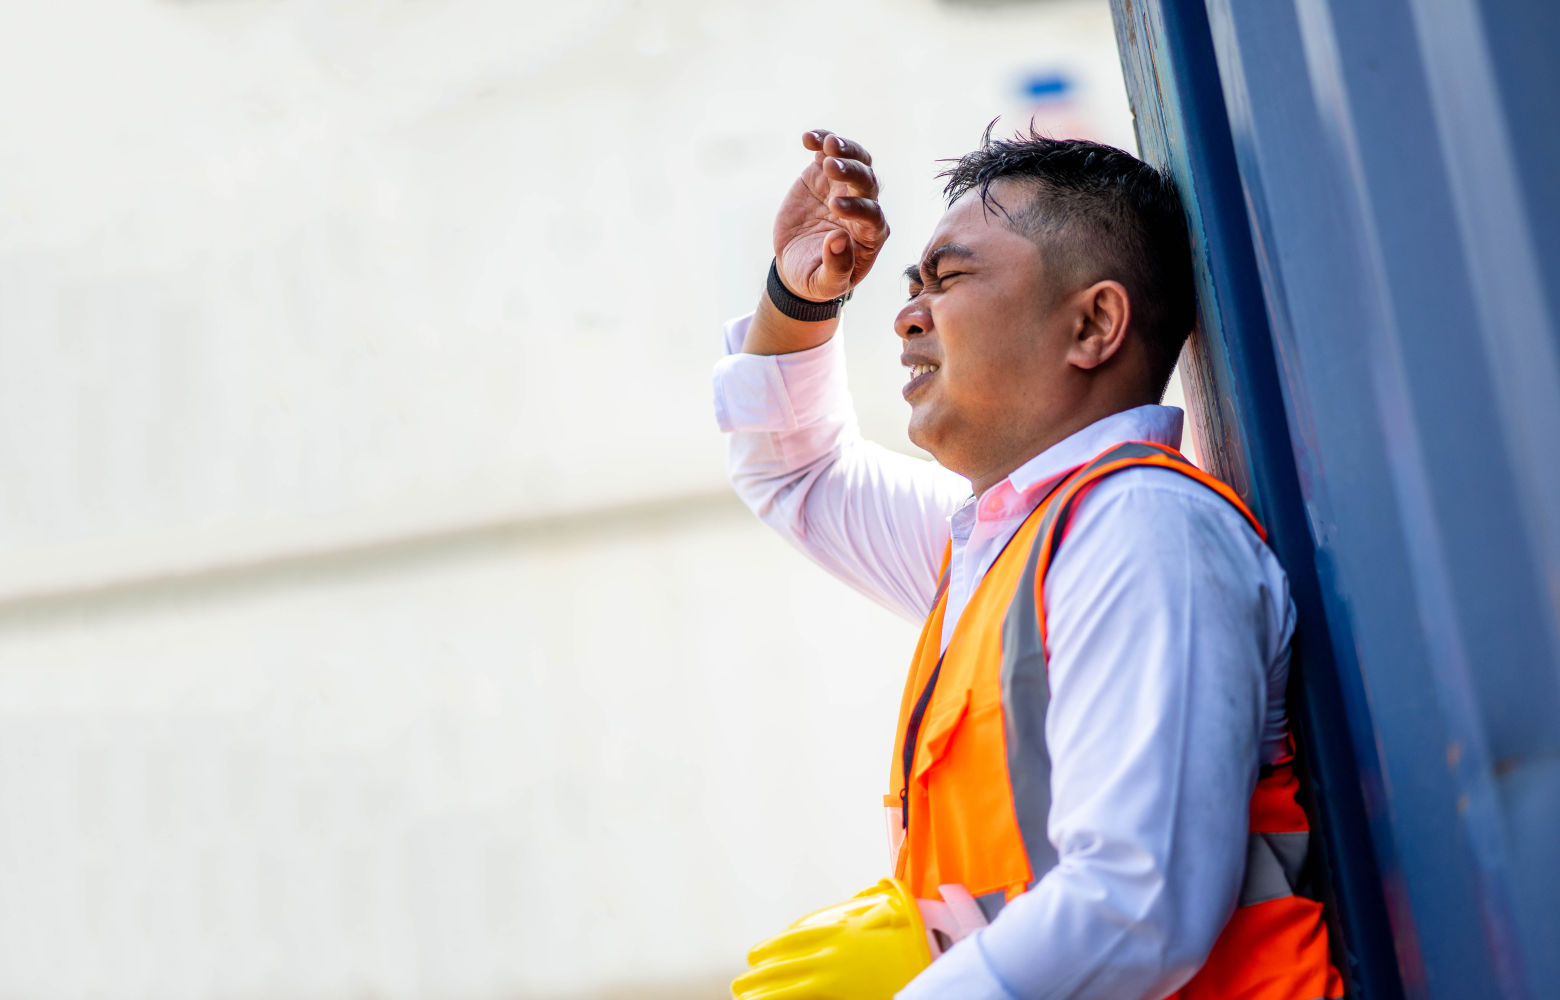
919,373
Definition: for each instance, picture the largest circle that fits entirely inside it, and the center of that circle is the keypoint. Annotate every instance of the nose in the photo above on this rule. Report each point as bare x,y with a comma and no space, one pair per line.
913,320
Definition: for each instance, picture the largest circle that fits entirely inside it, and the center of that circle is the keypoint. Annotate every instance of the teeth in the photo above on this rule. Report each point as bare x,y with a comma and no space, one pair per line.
916,371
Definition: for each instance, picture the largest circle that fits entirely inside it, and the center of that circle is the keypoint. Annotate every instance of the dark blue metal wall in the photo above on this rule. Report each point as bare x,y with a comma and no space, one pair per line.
1374,190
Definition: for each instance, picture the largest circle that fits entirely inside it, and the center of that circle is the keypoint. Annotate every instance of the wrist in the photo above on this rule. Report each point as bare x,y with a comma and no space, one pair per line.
773,332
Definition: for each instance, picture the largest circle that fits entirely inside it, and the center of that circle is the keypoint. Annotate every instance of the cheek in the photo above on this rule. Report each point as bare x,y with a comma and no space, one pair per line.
1026,355
996,369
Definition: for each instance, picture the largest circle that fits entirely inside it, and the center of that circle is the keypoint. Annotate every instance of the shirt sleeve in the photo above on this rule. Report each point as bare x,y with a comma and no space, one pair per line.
872,517
1166,616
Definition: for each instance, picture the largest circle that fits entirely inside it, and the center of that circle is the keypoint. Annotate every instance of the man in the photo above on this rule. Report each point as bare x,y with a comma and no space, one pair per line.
1092,744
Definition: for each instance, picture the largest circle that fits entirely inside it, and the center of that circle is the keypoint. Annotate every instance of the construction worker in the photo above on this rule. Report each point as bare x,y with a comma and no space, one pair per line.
1091,785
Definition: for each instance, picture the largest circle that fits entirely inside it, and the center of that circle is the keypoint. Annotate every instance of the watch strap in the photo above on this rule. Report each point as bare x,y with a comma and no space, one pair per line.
796,307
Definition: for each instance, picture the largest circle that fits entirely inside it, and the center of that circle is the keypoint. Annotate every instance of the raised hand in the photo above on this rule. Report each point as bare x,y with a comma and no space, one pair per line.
830,227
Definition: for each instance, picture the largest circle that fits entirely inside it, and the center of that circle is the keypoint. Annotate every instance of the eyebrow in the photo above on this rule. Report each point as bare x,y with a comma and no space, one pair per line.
929,264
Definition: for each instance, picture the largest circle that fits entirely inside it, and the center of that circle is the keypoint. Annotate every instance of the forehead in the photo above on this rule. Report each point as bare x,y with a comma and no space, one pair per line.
981,223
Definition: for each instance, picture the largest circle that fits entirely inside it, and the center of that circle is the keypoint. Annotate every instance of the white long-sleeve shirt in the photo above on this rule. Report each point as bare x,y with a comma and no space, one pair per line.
1169,624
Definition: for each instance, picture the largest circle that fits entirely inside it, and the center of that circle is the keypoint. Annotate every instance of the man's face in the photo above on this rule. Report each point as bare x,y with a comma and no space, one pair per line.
986,337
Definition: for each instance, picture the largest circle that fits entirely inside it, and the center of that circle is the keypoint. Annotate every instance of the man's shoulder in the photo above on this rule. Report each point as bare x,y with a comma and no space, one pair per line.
1150,499
1158,532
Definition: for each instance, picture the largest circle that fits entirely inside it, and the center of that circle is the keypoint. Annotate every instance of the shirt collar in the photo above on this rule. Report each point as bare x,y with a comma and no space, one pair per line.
1159,424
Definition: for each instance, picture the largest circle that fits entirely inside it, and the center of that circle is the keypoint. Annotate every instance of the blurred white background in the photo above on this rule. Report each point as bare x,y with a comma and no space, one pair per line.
374,617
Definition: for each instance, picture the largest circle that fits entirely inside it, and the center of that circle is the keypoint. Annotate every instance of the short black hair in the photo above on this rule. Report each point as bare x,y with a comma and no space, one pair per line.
1108,213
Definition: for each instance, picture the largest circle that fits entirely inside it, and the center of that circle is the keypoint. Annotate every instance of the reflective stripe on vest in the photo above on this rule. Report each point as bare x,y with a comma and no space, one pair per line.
973,774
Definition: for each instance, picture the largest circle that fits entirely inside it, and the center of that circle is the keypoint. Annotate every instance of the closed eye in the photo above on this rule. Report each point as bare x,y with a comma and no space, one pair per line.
935,282
927,276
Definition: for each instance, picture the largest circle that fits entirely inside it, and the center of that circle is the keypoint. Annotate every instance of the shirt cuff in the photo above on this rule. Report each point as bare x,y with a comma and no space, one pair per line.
782,392
961,972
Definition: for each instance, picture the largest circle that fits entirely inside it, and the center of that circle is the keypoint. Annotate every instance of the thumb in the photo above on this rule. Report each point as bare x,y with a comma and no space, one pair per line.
839,259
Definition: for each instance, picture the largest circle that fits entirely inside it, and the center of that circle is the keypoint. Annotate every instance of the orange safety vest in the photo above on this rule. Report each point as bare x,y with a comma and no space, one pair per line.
972,780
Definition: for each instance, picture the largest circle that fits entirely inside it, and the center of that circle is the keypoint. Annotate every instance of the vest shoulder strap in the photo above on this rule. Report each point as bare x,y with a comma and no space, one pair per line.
1129,454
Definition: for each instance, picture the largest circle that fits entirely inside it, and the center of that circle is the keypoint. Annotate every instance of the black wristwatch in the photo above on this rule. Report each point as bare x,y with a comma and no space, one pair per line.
796,307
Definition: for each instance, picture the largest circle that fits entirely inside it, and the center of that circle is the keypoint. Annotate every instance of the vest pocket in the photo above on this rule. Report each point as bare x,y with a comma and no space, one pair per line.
937,731
962,828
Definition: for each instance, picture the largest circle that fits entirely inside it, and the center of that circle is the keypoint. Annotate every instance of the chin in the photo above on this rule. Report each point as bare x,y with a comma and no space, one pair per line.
923,438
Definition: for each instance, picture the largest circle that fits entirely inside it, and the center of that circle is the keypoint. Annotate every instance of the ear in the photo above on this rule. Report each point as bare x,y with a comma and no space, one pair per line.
1103,313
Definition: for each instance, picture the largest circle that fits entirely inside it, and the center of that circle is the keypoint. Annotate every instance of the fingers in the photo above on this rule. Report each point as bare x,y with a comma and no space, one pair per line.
863,217
790,943
794,979
823,141
857,177
847,171
832,212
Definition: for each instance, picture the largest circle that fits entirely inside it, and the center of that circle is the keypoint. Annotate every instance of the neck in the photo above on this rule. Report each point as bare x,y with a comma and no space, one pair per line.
1050,436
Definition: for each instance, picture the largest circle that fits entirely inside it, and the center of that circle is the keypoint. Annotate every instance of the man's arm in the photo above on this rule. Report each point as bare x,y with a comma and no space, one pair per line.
874,518
1164,624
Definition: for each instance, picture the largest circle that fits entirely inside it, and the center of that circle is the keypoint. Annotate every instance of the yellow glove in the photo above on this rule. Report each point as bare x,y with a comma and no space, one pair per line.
866,948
